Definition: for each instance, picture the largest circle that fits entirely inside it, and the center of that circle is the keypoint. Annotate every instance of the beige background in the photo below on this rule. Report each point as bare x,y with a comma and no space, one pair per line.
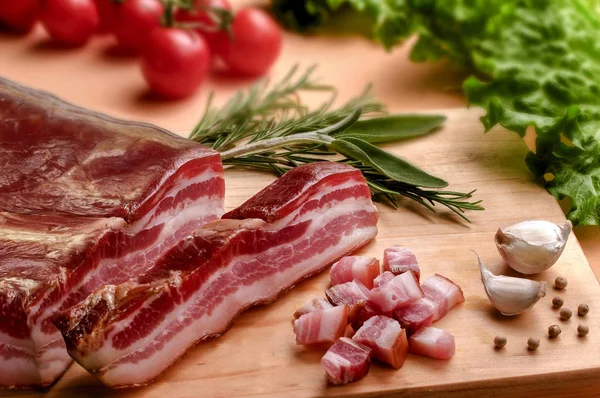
95,78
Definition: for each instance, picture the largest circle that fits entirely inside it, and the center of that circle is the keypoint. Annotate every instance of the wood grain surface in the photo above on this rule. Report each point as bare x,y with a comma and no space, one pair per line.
258,356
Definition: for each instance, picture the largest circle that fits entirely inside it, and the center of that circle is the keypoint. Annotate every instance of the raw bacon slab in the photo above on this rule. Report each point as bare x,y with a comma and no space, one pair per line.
321,326
398,260
346,361
313,305
386,338
432,342
85,200
309,218
398,292
444,293
361,268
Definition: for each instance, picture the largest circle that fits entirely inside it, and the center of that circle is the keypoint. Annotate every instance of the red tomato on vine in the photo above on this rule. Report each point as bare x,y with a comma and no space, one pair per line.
19,15
175,61
255,43
200,14
135,20
70,22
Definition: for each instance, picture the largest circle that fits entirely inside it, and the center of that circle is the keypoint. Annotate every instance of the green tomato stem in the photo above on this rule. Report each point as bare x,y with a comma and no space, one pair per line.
169,15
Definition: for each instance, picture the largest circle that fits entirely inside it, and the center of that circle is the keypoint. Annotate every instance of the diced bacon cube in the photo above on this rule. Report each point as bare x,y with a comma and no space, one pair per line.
439,300
416,315
321,326
363,314
313,305
399,260
361,268
432,342
444,293
353,294
382,279
449,288
346,361
401,291
386,338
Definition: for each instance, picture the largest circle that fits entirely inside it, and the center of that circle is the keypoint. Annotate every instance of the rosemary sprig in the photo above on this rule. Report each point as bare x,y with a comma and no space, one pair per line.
269,128
266,111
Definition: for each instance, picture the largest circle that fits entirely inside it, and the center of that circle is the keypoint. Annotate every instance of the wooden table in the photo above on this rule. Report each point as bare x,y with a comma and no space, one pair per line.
94,78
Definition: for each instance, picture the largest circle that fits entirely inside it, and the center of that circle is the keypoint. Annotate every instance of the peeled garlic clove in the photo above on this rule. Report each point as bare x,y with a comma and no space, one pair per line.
531,247
509,295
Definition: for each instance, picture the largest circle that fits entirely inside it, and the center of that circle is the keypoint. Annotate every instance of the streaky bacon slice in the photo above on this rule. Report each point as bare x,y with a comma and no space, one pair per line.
85,200
444,293
386,338
416,315
398,292
361,268
309,218
313,305
321,326
432,342
346,361
399,260
353,294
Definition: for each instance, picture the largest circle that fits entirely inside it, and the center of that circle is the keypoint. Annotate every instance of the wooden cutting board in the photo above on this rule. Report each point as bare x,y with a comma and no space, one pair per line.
258,356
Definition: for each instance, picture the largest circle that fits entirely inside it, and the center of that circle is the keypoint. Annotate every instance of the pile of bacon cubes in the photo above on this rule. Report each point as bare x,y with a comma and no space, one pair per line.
390,312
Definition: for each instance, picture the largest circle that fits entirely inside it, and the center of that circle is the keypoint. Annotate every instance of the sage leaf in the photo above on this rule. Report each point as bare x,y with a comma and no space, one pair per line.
386,163
392,128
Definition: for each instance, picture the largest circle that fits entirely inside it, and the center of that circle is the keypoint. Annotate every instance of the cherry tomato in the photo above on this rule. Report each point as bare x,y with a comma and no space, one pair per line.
255,45
107,11
70,22
175,61
135,21
20,15
198,14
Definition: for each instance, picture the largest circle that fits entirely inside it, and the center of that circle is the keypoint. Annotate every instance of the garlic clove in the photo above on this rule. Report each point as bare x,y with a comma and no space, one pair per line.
531,247
510,296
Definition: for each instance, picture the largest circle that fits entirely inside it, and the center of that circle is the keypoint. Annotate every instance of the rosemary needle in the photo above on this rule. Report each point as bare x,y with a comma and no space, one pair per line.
269,128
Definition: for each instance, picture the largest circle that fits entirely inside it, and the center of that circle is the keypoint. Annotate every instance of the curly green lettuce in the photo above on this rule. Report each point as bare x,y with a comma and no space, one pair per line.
534,63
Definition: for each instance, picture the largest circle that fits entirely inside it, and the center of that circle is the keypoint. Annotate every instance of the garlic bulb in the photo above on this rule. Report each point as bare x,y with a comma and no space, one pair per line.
509,295
531,247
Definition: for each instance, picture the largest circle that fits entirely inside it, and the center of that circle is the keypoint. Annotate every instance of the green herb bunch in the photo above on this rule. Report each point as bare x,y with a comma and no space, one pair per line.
269,128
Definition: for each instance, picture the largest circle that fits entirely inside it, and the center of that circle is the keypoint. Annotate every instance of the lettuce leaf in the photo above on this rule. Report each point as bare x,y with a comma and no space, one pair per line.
389,21
534,63
545,72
